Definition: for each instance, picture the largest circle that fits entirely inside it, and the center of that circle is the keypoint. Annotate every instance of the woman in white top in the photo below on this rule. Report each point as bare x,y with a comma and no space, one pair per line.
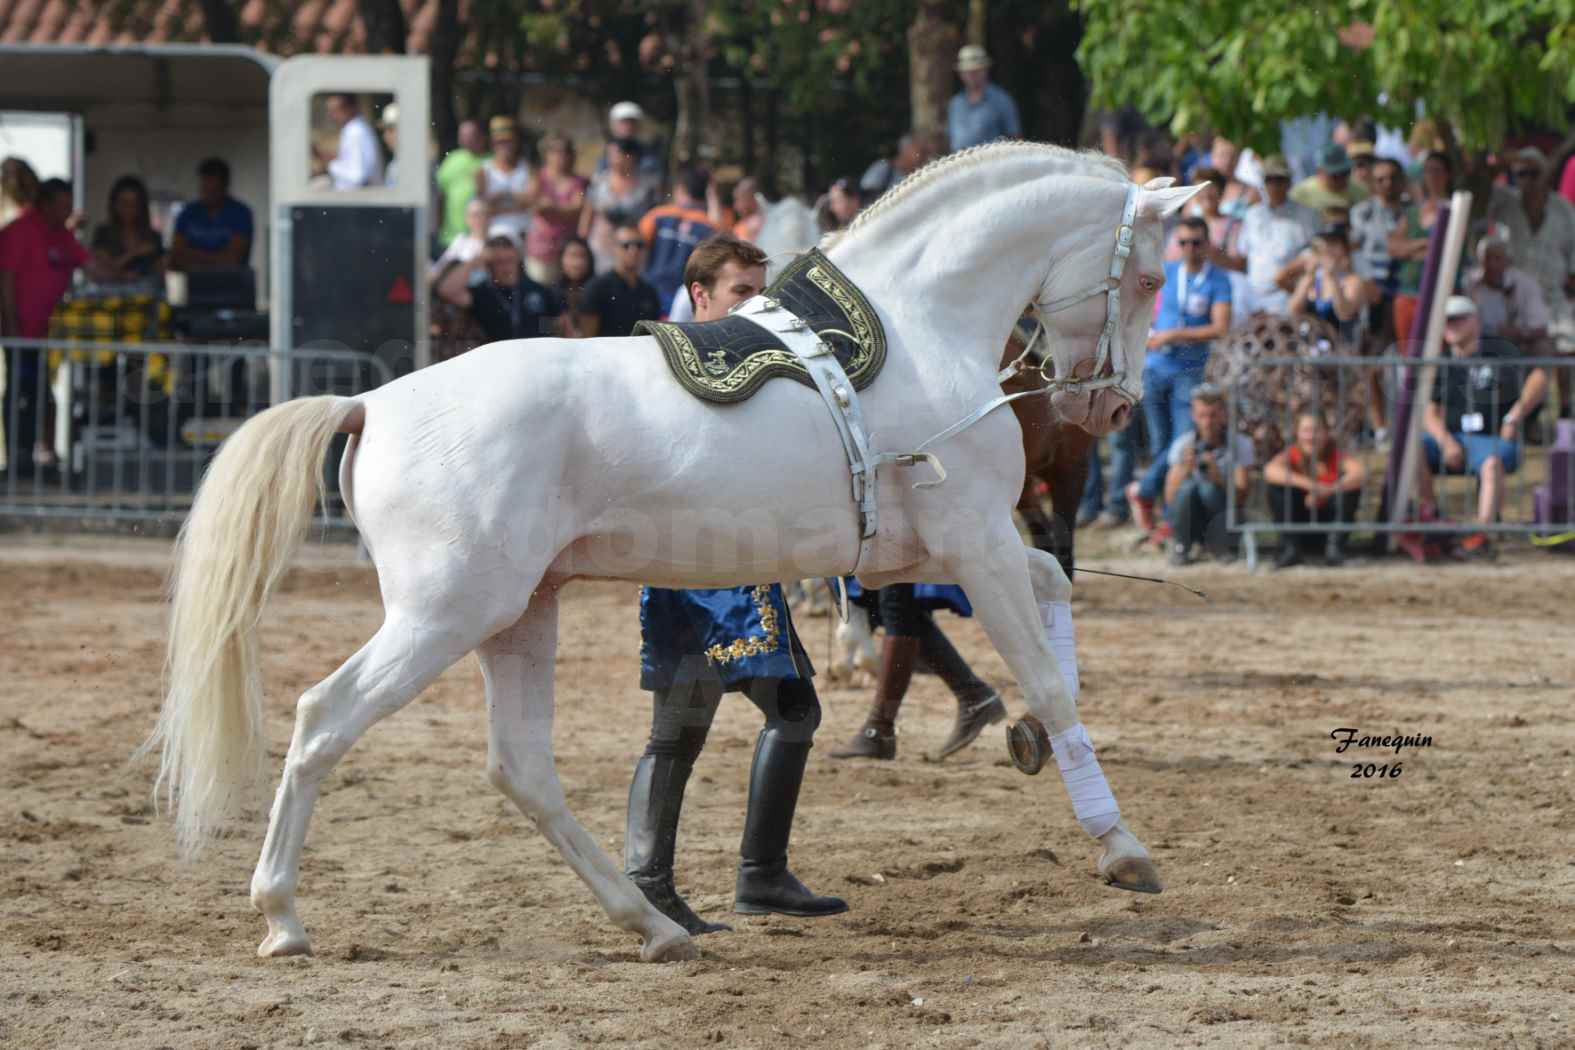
505,182
465,246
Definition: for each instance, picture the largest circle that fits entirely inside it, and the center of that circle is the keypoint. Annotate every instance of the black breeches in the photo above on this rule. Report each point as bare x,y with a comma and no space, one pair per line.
900,612
681,718
1288,504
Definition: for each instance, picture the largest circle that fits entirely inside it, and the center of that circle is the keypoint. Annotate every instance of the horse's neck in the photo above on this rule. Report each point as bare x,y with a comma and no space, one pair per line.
965,271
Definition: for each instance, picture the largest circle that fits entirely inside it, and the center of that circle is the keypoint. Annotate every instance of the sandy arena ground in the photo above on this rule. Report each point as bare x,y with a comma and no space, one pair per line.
1304,907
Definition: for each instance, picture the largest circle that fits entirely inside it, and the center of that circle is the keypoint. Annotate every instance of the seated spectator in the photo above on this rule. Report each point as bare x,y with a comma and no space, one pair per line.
1363,164
1374,220
1509,302
470,243
38,255
213,232
619,195
750,207
839,205
1201,463
560,197
671,232
576,269
1313,481
358,161
1472,424
1408,242
1330,186
619,298
505,182
504,301
1330,289
1272,235
626,122
127,248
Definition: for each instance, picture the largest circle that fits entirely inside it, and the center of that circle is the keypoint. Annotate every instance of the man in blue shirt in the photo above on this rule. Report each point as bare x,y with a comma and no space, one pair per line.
1193,308
214,231
980,112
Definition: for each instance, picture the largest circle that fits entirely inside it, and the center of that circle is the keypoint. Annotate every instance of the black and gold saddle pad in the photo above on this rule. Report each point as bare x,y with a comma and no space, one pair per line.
726,361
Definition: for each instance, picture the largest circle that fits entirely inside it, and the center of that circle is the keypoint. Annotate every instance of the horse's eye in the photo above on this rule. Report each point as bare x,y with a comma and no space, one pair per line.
1148,284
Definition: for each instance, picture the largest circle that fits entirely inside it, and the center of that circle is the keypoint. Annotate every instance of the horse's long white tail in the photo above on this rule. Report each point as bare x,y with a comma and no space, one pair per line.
239,539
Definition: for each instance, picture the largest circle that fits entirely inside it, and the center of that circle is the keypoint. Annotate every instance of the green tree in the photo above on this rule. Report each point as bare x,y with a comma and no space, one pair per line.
1242,66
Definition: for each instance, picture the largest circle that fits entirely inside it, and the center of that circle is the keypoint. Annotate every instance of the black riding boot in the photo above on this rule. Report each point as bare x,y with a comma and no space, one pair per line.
764,882
656,798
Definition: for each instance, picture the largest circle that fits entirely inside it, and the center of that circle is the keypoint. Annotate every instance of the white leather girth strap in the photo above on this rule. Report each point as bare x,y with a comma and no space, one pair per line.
836,390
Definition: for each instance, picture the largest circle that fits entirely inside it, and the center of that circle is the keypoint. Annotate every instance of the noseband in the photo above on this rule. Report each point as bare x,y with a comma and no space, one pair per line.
1107,373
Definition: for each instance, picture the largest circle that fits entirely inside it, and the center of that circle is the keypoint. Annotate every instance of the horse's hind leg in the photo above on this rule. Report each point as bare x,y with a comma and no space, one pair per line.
517,664
389,671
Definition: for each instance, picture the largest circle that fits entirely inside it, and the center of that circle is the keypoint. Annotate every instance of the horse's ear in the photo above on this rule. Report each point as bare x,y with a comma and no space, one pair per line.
1164,182
1157,201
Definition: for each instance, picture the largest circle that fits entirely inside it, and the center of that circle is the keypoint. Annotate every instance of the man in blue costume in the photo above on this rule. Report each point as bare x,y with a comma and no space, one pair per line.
698,645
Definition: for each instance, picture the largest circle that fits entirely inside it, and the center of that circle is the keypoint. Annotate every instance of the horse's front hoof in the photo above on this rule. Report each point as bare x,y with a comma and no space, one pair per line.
681,948
1137,874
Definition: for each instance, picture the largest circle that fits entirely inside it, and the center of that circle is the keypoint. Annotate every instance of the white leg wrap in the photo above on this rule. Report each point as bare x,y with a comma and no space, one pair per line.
1057,618
1092,802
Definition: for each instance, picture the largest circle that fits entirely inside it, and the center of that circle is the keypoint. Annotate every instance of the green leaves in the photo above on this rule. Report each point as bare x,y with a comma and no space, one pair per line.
1241,67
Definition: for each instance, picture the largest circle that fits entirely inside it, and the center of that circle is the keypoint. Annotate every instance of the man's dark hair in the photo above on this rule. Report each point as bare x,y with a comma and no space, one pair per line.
694,181
503,241
1193,222
1379,162
348,99
49,189
214,168
710,255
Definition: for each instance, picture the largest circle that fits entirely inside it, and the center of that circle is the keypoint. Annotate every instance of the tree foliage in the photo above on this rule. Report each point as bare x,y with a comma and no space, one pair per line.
1242,66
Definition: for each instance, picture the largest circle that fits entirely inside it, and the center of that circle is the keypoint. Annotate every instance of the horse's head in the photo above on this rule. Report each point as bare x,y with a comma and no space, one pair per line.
1097,305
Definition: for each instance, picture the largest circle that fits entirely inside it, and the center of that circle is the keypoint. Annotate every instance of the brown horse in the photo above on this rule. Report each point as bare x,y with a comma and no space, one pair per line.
1054,453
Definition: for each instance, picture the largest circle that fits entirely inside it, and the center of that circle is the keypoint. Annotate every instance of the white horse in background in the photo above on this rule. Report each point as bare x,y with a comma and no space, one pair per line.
790,227
482,485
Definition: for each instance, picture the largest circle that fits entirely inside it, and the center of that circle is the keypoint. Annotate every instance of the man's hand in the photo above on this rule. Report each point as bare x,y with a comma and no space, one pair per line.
1454,454
1158,339
1509,430
1189,460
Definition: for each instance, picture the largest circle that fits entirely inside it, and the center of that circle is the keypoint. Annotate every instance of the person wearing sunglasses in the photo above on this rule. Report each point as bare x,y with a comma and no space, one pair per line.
1541,228
615,301
1194,308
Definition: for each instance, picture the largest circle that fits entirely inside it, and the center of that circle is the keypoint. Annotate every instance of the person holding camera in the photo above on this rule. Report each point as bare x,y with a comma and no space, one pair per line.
1201,463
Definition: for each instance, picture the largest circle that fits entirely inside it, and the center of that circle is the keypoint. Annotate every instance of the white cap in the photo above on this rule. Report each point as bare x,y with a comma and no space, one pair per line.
1459,306
626,111
390,116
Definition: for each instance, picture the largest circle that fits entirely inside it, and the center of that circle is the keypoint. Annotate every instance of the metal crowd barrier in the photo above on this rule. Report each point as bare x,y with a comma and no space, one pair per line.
126,430
1359,398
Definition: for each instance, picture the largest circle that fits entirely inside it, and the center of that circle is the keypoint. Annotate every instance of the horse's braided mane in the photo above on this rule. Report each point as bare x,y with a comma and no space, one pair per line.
1086,162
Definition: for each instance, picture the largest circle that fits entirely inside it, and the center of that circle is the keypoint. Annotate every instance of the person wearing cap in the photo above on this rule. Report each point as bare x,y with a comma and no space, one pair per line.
1472,424
625,121
456,180
1364,160
1541,229
505,182
981,112
1509,301
1273,233
1331,186
1199,466
358,162
388,125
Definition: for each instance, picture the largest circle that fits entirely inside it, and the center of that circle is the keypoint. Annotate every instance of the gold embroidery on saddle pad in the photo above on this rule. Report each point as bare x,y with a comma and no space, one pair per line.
727,360
742,647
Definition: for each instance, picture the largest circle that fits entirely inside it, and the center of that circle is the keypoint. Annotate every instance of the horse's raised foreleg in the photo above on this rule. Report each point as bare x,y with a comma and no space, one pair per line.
517,664
1125,862
1003,580
392,669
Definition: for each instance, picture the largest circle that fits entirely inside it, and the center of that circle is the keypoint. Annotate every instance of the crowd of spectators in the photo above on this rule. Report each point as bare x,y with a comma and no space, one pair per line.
1334,230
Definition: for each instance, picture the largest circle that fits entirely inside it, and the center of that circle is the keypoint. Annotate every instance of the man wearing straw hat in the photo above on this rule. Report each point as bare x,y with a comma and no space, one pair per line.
981,112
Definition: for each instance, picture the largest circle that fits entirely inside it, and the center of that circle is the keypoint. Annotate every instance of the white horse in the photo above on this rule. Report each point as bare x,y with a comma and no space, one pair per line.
482,485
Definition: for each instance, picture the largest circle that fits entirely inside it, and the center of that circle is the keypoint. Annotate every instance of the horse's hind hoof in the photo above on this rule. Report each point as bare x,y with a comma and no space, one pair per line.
283,944
1137,874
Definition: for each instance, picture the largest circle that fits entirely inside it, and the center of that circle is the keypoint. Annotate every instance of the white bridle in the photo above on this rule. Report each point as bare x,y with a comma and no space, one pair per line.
1108,353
